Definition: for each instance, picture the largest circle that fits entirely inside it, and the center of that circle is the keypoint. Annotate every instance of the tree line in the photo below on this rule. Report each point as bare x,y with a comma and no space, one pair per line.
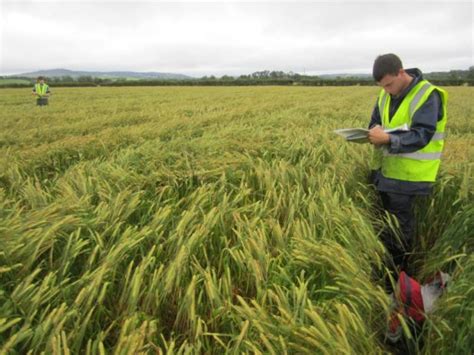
265,77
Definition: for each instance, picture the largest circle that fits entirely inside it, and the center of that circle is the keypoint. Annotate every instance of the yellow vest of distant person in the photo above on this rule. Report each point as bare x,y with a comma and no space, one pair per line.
41,90
423,164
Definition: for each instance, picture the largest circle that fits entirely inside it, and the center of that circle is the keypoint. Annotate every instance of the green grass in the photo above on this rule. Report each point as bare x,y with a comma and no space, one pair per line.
212,220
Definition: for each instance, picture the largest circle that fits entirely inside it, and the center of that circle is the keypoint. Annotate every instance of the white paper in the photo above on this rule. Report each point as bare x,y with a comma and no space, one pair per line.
360,135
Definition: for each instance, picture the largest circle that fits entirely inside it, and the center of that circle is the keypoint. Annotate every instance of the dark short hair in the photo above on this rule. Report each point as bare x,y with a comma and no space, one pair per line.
386,64
40,78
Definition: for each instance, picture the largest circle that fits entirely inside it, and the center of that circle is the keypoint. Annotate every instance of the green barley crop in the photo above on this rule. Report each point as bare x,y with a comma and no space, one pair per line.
213,220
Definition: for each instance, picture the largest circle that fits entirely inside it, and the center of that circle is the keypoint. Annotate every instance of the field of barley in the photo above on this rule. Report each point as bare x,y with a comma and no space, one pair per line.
191,220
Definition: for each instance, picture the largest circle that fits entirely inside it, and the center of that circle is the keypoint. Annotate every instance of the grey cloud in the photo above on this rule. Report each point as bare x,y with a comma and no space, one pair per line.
234,38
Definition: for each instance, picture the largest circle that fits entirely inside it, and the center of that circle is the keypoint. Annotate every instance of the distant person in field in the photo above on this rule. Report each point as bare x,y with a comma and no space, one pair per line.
41,91
407,162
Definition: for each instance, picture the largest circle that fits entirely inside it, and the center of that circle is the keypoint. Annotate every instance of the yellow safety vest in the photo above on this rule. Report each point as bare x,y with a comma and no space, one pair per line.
422,165
41,90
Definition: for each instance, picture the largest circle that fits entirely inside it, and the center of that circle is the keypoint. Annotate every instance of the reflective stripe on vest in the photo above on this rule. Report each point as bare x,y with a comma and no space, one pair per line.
438,136
414,103
382,106
415,155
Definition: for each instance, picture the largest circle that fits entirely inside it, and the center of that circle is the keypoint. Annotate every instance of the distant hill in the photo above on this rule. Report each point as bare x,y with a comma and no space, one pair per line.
54,73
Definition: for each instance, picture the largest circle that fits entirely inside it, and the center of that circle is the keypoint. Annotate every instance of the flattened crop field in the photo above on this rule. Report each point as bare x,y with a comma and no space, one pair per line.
214,220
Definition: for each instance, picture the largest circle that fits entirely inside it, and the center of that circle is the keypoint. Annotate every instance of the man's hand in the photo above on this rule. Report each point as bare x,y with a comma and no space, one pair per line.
377,136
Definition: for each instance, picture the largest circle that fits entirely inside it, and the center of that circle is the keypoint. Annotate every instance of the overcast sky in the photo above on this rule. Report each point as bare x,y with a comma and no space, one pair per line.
217,38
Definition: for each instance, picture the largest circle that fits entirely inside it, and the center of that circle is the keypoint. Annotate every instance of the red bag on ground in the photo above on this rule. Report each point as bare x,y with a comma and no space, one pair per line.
414,301
411,297
407,302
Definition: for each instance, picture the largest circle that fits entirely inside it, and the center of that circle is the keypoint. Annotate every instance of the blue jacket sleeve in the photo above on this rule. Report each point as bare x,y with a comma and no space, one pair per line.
422,128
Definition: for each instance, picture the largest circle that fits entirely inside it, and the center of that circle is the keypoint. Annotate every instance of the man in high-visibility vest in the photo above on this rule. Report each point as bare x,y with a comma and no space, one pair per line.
41,91
407,161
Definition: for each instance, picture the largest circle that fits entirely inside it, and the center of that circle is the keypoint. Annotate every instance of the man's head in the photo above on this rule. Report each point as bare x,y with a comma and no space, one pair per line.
40,80
388,72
